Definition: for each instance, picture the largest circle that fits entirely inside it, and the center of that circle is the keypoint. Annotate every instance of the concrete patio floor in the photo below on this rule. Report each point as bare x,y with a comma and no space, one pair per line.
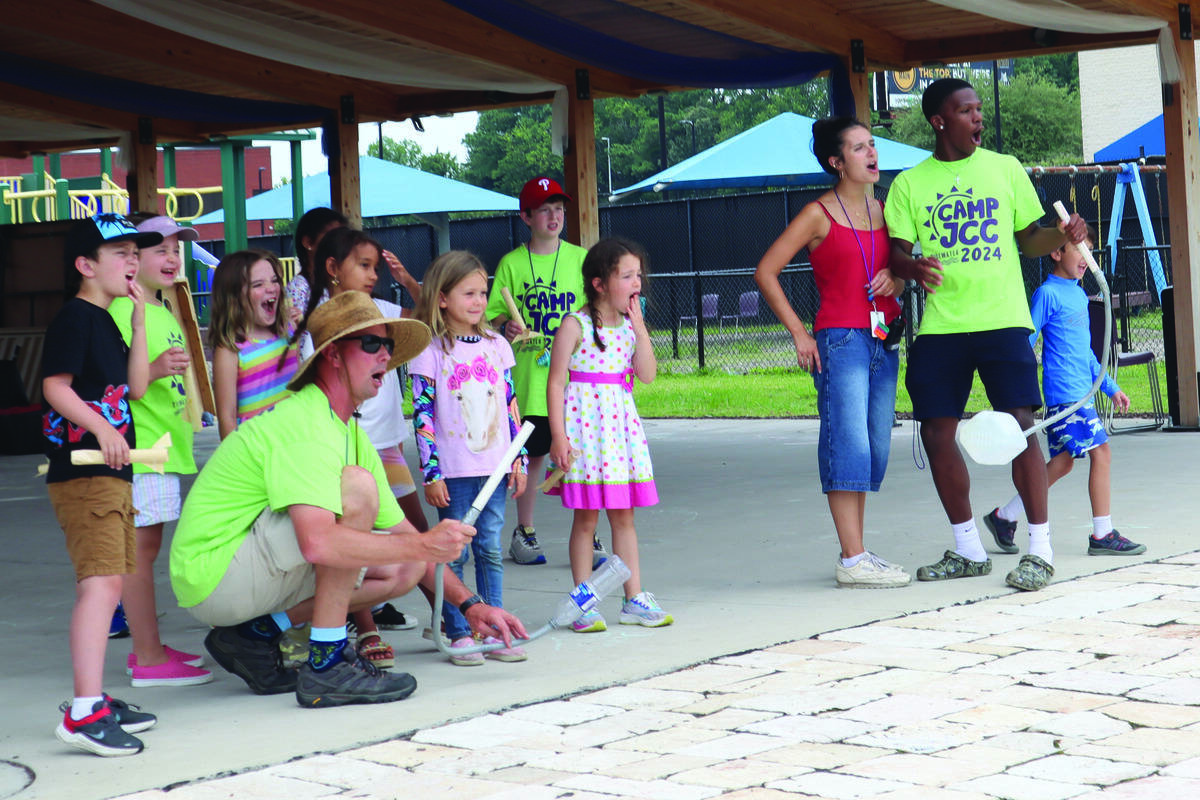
741,550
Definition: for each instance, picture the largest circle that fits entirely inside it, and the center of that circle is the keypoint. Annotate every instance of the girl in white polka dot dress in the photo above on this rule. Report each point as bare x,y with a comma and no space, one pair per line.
596,432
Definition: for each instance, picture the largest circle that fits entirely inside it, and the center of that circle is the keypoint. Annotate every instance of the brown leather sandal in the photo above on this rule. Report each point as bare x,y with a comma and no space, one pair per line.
375,650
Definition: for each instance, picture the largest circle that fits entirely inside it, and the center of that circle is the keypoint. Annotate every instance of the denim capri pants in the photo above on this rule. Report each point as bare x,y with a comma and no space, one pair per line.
856,398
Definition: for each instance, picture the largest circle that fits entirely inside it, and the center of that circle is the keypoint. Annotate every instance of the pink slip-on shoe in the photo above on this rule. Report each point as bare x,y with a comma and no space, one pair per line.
504,653
171,673
466,659
178,656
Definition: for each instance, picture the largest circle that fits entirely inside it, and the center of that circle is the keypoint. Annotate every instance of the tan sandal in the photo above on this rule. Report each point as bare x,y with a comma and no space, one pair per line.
373,649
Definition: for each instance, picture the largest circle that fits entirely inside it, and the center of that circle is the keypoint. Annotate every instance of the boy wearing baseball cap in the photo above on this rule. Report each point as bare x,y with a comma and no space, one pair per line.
89,378
545,278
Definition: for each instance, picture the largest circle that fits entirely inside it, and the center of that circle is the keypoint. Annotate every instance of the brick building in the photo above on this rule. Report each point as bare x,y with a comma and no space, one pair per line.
194,167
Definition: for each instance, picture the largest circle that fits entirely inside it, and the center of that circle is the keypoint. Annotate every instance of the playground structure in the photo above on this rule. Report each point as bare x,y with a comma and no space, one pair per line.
44,195
49,196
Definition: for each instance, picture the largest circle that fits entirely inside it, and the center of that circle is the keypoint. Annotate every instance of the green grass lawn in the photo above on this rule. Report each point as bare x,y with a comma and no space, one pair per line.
773,393
750,371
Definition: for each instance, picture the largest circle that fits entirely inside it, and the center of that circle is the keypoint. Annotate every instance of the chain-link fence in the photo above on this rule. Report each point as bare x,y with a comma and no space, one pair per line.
705,309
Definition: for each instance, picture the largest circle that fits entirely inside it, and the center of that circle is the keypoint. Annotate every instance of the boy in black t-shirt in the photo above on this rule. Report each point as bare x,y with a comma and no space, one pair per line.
88,378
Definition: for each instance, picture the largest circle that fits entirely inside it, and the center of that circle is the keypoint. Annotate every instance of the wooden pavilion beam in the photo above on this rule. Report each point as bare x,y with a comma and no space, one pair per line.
579,168
822,25
91,26
443,28
1162,9
79,113
24,149
1015,44
429,103
345,184
141,181
1183,195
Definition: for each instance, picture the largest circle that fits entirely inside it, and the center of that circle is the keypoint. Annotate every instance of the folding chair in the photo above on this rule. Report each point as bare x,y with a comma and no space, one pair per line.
747,308
708,308
1117,359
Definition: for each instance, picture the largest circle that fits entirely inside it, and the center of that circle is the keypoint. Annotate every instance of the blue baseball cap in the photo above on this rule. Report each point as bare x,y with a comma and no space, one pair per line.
109,228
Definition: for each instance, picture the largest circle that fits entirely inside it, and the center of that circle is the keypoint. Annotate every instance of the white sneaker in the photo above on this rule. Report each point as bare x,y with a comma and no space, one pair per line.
872,572
642,609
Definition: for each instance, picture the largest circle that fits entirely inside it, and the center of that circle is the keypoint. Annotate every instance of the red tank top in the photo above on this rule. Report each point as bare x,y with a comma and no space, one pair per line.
841,276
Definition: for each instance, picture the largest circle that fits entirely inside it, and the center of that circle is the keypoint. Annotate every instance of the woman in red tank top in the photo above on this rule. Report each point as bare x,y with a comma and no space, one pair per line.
854,369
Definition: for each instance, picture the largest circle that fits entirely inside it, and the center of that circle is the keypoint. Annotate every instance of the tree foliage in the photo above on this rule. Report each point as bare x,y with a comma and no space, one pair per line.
410,154
1040,118
511,145
1040,110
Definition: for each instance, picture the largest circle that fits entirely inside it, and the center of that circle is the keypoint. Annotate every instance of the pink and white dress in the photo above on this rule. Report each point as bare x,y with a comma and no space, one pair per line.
612,467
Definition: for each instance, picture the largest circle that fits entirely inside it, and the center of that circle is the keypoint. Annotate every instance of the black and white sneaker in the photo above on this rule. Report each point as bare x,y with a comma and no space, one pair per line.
131,718
390,618
99,732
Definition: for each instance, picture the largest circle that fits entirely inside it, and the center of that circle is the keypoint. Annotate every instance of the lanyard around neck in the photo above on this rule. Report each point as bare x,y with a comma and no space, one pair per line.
869,266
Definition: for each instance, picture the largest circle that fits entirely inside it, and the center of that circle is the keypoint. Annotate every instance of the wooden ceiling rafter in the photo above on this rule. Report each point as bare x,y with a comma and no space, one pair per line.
90,26
1016,44
437,103
814,23
79,113
1161,9
442,28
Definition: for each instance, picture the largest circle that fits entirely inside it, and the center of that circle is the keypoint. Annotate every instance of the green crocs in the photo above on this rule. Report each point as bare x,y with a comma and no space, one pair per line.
954,565
1032,573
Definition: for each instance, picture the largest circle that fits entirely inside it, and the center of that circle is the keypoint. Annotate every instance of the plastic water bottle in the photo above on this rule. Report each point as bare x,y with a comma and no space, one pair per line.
584,597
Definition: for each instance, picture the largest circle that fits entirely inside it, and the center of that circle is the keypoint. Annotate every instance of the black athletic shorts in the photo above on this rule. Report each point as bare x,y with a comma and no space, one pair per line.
941,368
538,443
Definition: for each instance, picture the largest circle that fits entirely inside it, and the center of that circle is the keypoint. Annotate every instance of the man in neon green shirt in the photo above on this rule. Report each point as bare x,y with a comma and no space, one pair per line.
279,523
971,210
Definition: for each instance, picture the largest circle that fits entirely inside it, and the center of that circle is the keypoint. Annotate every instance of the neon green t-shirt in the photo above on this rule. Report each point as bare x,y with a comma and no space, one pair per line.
965,213
160,410
546,288
292,454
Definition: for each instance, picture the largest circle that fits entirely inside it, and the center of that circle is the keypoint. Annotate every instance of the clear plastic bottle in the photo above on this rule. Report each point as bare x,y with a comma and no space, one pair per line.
584,597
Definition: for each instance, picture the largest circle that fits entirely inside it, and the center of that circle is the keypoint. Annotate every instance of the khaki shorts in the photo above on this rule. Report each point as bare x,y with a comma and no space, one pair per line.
267,574
96,514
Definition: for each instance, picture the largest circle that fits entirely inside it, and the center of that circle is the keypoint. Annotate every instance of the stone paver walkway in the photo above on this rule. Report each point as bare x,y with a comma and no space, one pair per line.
1084,690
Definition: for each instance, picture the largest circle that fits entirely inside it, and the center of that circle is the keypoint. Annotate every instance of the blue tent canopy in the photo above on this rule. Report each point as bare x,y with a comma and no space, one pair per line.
387,189
1143,141
777,152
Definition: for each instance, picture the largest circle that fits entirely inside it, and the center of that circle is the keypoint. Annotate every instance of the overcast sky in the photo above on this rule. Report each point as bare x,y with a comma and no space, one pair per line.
441,133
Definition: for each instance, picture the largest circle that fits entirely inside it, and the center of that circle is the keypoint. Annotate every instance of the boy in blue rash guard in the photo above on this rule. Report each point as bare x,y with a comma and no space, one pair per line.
1069,368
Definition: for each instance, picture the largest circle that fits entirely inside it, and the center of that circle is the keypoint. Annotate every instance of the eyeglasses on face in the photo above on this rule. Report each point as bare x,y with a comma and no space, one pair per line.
371,343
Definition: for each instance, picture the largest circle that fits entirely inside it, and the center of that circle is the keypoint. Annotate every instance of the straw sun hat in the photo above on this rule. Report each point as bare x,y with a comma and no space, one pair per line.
351,312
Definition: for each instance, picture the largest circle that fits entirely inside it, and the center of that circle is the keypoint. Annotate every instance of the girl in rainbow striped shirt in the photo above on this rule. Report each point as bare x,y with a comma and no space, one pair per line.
248,331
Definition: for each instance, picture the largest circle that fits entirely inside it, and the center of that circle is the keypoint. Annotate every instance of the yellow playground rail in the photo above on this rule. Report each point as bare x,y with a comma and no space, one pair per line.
290,265
44,205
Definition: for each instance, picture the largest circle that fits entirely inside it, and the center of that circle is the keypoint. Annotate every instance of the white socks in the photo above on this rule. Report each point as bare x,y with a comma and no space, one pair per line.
1101,526
966,541
1039,542
852,560
82,706
1013,510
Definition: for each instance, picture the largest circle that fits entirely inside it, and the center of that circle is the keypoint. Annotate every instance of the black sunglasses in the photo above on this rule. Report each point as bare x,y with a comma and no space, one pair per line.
371,343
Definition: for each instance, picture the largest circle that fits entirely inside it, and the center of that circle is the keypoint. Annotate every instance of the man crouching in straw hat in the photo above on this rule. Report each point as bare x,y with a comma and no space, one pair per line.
279,523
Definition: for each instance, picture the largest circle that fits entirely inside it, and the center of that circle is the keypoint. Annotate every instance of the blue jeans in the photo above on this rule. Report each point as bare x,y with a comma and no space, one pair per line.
489,569
856,398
